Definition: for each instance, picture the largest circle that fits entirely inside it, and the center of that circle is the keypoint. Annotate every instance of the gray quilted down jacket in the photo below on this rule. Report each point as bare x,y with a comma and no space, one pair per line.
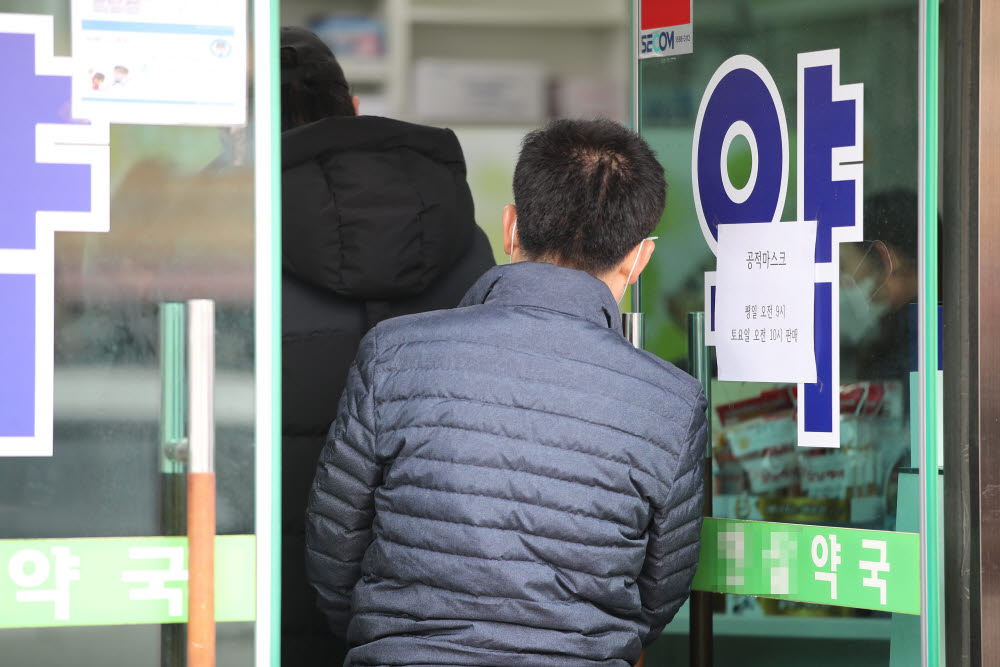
508,483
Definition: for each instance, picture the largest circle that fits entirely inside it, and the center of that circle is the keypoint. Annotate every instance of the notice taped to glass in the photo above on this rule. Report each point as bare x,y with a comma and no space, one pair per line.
764,305
160,62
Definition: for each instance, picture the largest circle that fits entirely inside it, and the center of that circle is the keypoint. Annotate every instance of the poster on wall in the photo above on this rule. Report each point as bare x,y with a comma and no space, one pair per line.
160,62
665,28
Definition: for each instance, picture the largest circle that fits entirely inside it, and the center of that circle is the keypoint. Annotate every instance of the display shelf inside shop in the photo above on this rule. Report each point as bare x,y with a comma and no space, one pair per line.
591,13
813,627
720,16
131,394
365,72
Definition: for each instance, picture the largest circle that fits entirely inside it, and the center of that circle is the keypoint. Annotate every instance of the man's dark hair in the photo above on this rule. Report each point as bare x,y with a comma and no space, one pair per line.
313,86
587,192
891,217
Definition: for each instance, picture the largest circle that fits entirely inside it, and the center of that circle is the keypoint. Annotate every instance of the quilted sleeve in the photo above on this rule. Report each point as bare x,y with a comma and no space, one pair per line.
341,504
675,534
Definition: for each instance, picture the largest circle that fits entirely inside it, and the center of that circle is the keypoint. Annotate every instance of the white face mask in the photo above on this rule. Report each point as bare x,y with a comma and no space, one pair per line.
860,314
634,264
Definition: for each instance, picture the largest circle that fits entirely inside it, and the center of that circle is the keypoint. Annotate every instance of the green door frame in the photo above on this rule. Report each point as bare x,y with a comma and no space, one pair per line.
930,497
267,290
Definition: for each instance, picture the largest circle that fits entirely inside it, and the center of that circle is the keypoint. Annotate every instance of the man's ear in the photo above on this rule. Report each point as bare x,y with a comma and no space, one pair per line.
356,101
639,258
509,218
886,256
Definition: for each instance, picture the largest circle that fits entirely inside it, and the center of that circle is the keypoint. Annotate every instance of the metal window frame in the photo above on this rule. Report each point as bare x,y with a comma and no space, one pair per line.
970,244
267,330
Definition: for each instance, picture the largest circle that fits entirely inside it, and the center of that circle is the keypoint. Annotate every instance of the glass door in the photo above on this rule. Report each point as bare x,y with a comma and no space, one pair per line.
766,113
136,291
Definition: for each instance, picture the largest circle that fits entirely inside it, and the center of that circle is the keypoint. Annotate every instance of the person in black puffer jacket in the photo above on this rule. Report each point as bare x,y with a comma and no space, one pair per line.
511,482
377,221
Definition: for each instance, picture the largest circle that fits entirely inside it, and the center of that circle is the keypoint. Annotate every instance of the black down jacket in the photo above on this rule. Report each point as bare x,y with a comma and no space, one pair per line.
378,222
508,483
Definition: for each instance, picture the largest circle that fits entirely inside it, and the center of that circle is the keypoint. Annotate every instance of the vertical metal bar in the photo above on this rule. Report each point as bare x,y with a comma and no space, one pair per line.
173,389
201,484
634,99
930,579
960,294
173,417
987,466
634,328
698,364
702,630
399,56
633,57
201,385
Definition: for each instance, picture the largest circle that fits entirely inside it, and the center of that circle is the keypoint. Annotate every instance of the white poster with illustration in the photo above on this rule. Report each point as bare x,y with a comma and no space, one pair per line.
160,62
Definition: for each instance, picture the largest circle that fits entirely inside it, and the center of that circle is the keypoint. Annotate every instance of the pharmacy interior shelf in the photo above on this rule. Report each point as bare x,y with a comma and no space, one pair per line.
368,72
721,15
811,627
577,39
132,394
581,13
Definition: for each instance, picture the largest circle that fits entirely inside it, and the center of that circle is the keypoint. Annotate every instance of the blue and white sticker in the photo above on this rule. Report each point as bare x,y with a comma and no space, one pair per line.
54,177
741,99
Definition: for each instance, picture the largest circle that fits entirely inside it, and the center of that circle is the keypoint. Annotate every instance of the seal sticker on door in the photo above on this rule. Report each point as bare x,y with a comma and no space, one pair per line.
665,28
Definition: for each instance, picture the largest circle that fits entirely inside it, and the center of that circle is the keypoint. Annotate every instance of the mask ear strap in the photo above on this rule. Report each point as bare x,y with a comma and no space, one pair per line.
629,279
512,232
888,256
635,264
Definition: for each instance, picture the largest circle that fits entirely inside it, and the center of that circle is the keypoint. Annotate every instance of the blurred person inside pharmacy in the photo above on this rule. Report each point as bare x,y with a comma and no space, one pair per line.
761,473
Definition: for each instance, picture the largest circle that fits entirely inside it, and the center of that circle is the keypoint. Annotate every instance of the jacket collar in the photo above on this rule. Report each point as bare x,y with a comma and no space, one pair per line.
540,285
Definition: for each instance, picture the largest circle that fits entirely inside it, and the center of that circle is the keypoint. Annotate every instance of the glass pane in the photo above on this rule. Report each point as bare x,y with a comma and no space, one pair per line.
759,473
181,227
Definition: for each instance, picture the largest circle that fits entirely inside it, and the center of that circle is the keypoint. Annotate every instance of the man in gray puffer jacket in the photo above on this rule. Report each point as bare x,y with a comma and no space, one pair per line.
511,482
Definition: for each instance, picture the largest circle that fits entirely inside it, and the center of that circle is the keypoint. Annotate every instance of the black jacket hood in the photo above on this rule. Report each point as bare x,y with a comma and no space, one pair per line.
373,208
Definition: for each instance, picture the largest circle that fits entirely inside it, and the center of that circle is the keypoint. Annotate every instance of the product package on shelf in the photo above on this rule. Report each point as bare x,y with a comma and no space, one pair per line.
352,38
475,92
760,473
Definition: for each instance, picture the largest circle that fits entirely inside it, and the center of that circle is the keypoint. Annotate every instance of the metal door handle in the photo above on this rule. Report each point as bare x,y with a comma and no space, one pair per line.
634,328
201,483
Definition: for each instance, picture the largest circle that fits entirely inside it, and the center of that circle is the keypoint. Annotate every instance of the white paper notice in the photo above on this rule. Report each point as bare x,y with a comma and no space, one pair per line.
160,62
765,280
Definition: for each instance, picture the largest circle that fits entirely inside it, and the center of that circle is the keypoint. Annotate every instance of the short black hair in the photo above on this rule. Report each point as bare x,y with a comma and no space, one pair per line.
891,216
313,86
587,192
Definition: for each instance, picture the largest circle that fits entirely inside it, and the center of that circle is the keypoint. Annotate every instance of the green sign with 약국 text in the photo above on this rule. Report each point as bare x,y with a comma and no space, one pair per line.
846,567
117,581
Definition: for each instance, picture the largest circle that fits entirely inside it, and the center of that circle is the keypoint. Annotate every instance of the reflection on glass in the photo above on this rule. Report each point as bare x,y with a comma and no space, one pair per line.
181,227
758,471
